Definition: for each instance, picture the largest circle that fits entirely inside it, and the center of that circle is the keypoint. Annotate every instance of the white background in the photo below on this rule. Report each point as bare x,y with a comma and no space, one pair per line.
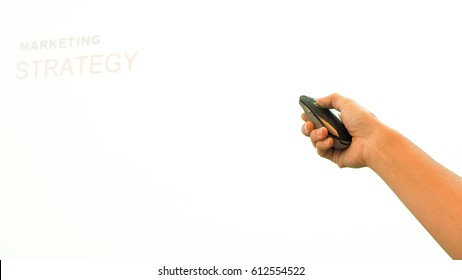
197,154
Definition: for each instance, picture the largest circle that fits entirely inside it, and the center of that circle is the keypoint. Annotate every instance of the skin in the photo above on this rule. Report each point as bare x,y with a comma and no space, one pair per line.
431,192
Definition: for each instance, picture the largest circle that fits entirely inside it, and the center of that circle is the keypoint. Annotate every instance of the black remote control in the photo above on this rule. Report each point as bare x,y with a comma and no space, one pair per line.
322,117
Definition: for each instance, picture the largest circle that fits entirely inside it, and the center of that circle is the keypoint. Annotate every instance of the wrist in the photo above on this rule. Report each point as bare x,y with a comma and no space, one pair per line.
380,145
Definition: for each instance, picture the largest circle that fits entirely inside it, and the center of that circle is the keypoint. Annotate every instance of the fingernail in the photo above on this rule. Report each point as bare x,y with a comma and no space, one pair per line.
320,132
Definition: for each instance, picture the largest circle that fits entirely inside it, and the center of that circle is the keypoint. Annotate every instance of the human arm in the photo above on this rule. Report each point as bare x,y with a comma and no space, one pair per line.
431,192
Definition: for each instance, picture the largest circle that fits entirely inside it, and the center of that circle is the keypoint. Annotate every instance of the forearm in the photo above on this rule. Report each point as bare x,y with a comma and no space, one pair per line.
430,191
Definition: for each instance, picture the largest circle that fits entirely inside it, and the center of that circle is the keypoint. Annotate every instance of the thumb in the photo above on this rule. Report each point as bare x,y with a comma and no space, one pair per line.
334,100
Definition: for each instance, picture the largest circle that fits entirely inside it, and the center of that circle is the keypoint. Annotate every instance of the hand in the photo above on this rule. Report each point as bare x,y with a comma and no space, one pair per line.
361,124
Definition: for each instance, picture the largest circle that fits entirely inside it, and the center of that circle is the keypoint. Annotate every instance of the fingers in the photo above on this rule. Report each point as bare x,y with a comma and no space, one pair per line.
315,135
324,147
307,128
319,139
318,135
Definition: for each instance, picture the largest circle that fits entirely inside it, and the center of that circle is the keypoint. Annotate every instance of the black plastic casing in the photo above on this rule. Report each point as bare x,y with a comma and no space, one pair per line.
322,117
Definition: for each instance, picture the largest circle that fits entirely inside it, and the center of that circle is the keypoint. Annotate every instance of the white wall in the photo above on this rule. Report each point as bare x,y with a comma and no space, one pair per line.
195,152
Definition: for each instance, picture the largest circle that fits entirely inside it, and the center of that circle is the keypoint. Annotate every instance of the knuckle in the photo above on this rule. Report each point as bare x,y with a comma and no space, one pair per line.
313,142
335,95
313,135
320,149
304,130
